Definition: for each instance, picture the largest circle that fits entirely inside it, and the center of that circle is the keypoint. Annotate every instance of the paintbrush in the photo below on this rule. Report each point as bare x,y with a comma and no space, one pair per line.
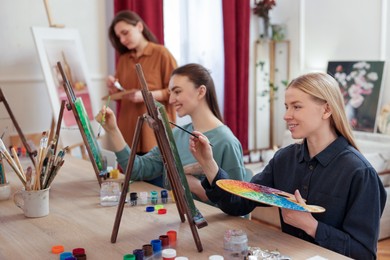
103,117
188,132
118,85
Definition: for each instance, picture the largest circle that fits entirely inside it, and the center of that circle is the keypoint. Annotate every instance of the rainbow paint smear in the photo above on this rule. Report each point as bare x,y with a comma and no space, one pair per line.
266,195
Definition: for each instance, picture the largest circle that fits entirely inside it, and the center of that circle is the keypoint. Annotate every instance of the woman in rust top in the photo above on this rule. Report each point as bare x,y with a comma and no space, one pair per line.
135,43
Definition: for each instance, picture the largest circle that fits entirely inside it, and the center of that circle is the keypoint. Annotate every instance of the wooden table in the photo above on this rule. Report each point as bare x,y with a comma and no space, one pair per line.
77,219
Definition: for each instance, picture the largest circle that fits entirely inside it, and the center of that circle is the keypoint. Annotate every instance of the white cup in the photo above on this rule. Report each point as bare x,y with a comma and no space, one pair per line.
34,203
5,191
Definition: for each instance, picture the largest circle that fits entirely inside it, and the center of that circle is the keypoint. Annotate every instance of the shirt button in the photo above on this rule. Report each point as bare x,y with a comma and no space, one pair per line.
305,188
311,167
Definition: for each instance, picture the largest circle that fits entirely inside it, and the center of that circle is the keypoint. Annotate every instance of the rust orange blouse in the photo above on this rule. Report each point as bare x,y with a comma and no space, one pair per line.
157,64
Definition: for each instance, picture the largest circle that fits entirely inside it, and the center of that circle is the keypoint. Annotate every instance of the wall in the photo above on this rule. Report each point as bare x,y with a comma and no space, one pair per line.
21,76
320,31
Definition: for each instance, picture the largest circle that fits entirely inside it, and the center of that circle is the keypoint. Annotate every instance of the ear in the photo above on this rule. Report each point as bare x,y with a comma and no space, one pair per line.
140,26
202,91
327,111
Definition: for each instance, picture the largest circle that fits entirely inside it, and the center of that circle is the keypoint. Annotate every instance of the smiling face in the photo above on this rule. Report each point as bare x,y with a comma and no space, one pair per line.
183,95
129,35
305,116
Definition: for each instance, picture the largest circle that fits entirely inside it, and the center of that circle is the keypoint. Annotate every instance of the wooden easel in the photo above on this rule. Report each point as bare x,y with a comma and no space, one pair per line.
77,107
31,153
49,17
158,121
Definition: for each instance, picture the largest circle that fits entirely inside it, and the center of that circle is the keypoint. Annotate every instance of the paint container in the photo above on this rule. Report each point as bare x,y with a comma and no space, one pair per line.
79,253
65,255
181,258
164,196
172,235
129,257
168,254
164,241
148,251
139,254
109,193
216,257
235,244
133,198
143,197
153,197
157,247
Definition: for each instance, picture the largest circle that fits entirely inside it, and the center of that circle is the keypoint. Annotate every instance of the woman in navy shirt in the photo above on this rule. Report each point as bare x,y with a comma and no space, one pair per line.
325,169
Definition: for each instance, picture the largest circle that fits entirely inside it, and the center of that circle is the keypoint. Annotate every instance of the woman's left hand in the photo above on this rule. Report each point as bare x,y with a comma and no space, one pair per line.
135,97
300,219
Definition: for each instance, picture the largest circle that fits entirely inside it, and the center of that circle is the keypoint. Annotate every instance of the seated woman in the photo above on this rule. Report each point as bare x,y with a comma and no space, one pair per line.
326,169
192,93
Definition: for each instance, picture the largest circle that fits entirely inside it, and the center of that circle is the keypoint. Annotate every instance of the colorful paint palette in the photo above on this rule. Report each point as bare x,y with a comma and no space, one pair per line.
266,195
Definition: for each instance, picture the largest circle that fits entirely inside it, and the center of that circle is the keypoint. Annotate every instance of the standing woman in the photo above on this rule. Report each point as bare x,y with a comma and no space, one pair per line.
326,169
135,43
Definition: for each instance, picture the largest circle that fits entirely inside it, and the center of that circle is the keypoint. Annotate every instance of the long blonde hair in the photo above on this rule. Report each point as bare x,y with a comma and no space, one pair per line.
324,87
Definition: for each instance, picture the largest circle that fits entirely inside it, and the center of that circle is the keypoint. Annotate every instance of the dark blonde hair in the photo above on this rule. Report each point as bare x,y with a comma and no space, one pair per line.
323,87
130,18
199,75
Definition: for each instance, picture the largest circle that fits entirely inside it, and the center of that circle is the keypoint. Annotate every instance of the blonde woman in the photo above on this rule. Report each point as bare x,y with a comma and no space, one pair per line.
326,169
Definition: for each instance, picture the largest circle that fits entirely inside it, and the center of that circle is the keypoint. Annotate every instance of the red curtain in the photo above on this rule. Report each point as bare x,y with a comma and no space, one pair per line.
236,17
151,11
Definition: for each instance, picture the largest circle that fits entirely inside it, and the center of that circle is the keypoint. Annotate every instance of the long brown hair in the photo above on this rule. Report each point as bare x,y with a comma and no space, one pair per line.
130,18
199,75
323,87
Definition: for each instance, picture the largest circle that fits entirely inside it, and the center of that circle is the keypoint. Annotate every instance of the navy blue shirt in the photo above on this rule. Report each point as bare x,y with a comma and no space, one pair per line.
339,179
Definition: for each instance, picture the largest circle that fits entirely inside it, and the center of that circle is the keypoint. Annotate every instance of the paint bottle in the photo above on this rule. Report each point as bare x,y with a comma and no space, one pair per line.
164,196
148,251
143,197
164,241
168,254
235,244
153,197
133,198
79,253
172,235
139,254
216,257
129,257
157,247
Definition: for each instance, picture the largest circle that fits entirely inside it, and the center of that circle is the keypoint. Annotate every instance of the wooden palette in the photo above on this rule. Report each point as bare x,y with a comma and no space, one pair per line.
266,195
119,95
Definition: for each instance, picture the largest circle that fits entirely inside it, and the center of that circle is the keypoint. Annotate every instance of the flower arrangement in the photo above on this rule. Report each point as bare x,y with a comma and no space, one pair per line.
263,7
355,86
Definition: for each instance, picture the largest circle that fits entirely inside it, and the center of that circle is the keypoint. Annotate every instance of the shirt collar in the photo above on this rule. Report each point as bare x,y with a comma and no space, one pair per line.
327,155
147,51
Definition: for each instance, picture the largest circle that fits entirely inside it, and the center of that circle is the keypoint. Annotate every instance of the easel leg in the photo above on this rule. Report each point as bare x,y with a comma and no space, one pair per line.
125,188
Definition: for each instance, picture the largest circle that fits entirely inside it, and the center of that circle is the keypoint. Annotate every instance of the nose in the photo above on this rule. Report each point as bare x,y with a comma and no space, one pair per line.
171,98
288,115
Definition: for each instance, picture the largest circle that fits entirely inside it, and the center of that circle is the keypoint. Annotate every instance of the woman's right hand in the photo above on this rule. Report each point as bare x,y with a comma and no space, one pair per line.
110,84
107,119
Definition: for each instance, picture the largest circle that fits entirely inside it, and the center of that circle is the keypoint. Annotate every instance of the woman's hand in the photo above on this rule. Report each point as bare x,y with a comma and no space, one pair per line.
107,119
300,219
110,84
201,150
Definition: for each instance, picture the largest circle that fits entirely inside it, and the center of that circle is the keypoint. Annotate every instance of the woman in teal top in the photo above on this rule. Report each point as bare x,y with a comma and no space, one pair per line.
192,93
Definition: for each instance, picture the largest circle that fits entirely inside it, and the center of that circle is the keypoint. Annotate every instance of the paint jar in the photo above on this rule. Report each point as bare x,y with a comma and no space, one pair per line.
235,244
109,193
65,255
143,197
164,196
139,254
172,235
164,241
216,257
129,257
79,253
168,254
133,198
148,251
153,197
181,258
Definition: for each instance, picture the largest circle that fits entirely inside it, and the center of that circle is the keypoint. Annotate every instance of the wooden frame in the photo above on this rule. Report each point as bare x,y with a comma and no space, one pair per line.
158,121
76,105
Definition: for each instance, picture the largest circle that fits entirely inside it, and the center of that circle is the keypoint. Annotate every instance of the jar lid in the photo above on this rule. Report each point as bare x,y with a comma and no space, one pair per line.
168,253
215,257
57,249
162,211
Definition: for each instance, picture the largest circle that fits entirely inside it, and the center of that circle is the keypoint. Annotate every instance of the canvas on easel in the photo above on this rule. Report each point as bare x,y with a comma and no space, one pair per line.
157,119
76,105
